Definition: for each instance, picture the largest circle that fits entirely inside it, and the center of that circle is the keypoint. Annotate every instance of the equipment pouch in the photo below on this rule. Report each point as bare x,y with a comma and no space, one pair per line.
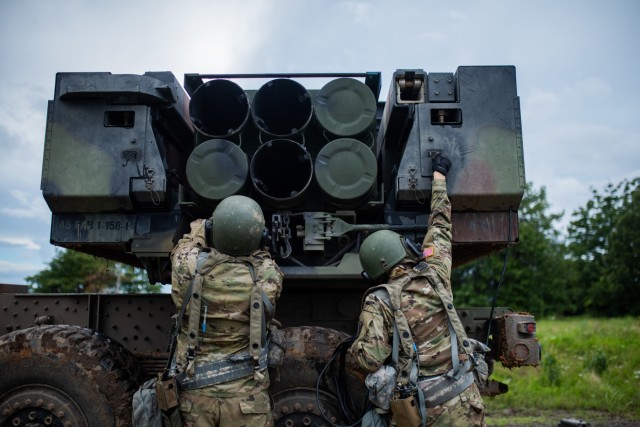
405,412
145,410
167,393
381,385
480,366
277,347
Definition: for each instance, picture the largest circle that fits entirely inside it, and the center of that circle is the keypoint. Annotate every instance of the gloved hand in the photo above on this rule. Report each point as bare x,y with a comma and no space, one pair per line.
441,163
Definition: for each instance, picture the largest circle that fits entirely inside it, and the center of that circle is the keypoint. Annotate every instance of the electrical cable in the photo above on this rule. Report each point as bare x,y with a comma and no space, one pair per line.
341,390
504,268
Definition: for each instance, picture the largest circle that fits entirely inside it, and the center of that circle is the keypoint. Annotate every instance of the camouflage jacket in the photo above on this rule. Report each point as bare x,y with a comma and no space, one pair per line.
420,304
226,295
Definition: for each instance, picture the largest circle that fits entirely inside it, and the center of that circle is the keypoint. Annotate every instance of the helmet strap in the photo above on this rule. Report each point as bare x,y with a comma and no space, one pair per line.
412,249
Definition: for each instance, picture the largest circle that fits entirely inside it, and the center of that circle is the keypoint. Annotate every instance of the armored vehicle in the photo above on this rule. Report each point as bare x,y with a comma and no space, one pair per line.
131,160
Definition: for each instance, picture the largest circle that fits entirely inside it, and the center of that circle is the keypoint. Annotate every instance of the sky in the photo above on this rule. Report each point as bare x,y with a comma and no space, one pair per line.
577,65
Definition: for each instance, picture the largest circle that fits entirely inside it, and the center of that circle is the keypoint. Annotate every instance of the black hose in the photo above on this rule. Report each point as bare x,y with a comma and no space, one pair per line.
504,268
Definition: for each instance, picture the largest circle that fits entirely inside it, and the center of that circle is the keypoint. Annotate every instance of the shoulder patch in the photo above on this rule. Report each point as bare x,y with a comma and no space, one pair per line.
428,252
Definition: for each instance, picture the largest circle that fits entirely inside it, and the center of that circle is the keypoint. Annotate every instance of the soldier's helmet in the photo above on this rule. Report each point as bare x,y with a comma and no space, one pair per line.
383,250
236,226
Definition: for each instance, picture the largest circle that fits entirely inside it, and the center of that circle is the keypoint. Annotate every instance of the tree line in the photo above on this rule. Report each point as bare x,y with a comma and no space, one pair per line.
593,268
77,272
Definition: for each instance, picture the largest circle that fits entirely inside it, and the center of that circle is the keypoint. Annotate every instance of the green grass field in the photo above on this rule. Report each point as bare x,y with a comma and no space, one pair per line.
588,366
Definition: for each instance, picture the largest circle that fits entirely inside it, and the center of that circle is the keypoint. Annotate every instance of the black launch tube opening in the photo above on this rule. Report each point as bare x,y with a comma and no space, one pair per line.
281,171
282,108
219,108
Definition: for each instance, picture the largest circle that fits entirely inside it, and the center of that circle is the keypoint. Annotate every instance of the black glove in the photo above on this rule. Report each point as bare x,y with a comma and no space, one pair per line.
441,164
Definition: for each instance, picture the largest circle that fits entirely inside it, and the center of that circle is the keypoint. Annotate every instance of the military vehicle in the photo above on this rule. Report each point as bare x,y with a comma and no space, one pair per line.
131,160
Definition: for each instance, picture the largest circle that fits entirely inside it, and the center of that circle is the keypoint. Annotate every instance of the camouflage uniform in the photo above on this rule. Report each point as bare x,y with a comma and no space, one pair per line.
226,295
426,317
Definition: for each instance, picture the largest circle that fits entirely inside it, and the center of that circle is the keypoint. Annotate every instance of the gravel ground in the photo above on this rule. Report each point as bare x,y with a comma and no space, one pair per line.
512,418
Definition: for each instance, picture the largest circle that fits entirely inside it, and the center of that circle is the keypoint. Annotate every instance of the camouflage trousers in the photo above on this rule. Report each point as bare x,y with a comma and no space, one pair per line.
205,411
464,410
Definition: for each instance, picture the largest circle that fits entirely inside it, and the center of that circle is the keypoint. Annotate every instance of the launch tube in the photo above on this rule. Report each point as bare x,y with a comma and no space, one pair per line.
281,171
219,109
282,108
346,107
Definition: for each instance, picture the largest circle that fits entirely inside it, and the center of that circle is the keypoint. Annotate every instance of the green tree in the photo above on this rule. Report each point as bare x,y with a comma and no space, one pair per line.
603,243
623,259
76,272
536,271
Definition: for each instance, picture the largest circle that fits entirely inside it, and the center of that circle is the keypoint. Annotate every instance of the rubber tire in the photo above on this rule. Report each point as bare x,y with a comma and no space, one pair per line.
72,375
293,385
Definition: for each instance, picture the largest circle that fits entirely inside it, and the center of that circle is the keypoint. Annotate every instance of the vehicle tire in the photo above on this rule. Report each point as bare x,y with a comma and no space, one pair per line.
296,399
69,376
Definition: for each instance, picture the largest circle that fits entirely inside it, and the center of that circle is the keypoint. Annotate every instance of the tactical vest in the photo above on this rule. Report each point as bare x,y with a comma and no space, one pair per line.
404,352
237,365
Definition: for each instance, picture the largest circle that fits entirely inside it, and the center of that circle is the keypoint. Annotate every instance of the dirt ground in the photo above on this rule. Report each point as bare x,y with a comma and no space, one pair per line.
511,418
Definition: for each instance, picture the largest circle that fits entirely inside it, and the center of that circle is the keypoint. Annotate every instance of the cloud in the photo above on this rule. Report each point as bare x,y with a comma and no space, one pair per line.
21,242
575,73
13,267
360,11
26,205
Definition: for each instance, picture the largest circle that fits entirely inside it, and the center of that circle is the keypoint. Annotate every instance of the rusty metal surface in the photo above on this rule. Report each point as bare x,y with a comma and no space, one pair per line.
299,406
142,323
516,344
476,234
483,227
6,288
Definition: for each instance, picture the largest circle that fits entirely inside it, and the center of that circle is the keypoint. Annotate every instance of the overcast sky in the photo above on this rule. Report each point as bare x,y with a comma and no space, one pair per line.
577,66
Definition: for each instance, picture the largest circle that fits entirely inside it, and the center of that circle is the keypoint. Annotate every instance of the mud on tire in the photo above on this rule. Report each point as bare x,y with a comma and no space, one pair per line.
65,376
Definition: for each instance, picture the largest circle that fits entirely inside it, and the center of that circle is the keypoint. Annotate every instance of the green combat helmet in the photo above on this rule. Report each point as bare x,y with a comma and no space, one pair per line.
382,250
236,226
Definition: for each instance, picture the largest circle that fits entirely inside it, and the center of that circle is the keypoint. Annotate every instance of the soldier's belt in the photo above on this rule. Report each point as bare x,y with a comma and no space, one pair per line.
222,371
445,388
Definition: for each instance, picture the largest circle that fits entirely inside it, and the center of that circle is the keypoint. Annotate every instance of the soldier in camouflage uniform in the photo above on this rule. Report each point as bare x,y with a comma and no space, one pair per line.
226,294
424,311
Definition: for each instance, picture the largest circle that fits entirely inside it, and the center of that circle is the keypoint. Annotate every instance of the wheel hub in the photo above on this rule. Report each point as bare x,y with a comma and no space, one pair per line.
39,405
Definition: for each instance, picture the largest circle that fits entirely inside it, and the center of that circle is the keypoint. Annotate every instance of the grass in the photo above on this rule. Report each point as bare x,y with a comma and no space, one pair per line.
588,366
